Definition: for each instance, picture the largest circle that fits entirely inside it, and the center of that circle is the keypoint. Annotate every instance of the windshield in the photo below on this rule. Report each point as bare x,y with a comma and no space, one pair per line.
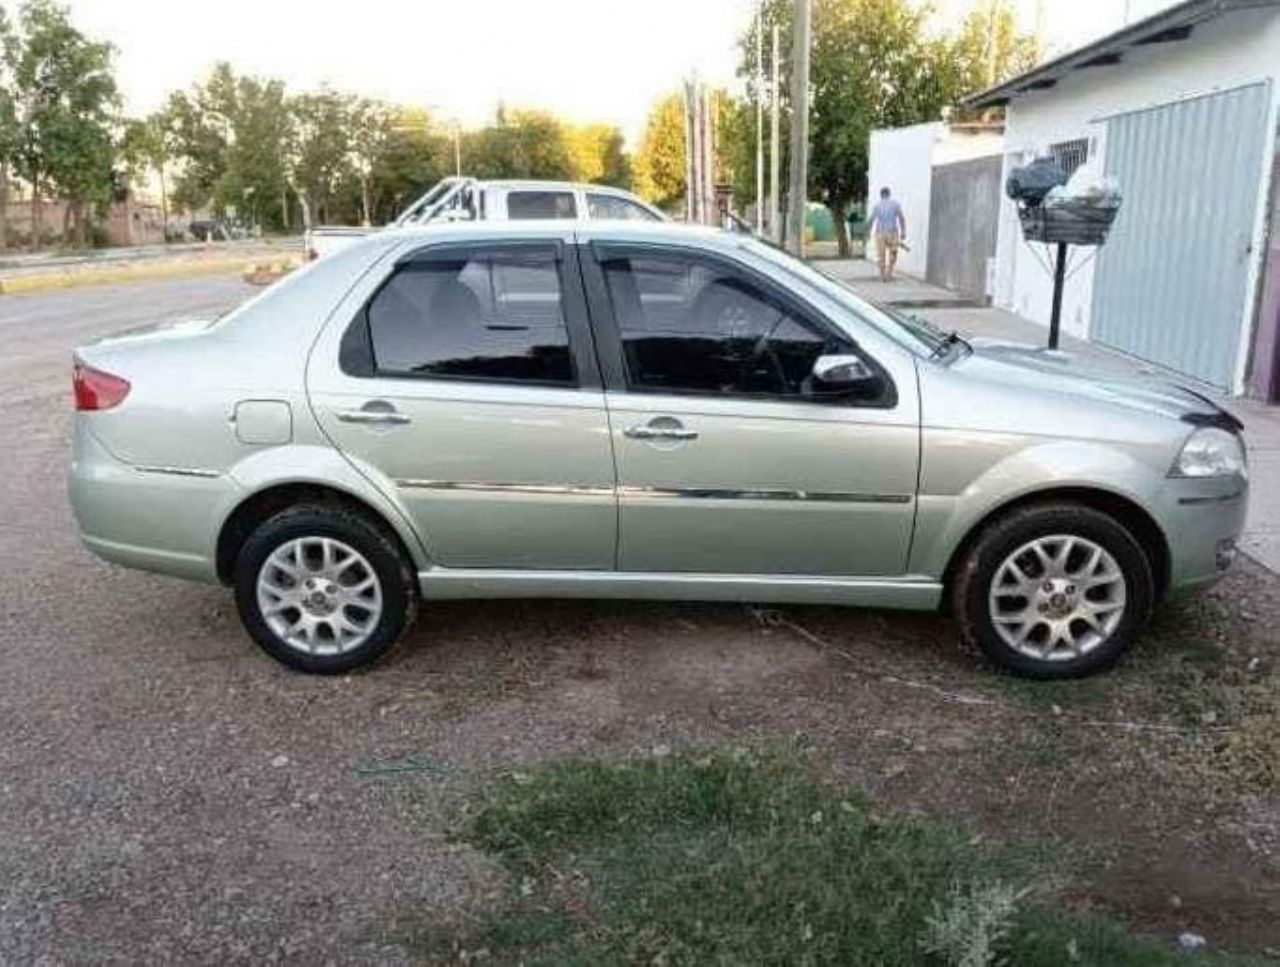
916,334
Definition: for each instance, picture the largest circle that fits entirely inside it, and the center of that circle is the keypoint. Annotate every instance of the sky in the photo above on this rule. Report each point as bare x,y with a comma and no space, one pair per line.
589,60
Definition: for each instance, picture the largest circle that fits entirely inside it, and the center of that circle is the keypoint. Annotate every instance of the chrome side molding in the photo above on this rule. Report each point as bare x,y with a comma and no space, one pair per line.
506,488
178,471
694,493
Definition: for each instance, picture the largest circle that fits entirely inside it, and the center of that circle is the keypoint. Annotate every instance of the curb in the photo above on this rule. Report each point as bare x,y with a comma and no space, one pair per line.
32,284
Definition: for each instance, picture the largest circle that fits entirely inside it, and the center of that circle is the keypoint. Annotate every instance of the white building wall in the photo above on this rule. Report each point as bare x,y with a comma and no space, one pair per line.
901,159
1229,52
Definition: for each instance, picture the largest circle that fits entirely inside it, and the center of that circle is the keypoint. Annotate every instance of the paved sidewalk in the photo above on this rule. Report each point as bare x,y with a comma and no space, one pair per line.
1262,423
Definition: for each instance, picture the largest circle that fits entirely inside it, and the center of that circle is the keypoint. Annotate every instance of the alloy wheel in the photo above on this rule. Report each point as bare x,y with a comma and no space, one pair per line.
319,595
1057,598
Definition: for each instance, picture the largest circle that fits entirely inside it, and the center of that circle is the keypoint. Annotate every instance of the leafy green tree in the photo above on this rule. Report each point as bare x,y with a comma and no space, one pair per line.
229,132
412,158
148,145
520,144
253,181
988,49
319,150
371,124
10,129
200,145
876,64
65,101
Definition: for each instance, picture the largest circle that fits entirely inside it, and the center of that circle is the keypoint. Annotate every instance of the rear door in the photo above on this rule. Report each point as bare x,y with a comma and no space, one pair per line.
728,461
466,383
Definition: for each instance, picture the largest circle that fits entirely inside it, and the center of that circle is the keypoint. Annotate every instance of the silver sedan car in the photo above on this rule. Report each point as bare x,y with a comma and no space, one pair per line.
642,411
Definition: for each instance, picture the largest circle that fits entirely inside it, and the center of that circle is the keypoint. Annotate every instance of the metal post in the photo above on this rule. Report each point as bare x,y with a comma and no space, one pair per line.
797,187
775,146
1059,280
709,214
690,154
760,118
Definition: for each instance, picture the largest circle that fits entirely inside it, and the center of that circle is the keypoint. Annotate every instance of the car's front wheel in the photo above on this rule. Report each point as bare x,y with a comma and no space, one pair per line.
1053,591
323,589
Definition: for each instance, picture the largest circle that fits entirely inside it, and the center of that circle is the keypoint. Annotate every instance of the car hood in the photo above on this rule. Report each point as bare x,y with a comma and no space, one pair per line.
1067,374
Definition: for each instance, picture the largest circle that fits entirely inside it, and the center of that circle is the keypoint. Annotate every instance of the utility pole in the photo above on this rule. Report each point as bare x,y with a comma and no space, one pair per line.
797,188
775,146
690,154
760,118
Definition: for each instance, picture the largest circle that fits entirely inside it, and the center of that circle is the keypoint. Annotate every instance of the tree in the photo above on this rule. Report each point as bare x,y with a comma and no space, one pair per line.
875,64
988,49
520,144
64,103
413,157
229,132
371,131
599,156
148,144
659,165
319,150
10,130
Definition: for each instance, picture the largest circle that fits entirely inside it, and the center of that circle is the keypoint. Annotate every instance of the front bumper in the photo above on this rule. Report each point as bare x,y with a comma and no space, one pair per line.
1202,520
162,519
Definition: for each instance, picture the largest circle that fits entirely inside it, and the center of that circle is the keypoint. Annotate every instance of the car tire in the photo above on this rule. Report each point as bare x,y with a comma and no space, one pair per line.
324,589
1053,591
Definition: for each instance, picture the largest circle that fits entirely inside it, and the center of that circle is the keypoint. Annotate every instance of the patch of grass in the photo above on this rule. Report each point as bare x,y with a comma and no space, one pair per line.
1245,757
1076,695
747,858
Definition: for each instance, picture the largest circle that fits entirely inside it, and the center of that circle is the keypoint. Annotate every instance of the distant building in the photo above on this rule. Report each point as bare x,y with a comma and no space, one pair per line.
1182,109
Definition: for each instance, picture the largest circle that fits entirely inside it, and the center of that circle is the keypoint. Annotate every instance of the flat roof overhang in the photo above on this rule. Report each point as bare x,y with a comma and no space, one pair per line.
1176,24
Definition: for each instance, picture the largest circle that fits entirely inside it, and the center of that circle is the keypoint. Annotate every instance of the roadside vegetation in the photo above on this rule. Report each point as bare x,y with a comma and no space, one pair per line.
246,148
747,857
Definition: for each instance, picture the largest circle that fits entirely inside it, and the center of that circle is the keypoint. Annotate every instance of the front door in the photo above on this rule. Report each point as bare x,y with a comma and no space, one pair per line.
730,460
466,383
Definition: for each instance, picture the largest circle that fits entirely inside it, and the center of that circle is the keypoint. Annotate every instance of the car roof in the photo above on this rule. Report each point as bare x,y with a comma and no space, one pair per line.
533,184
585,228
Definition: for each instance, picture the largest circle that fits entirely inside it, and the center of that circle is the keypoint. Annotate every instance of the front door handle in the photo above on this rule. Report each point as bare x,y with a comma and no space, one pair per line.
661,428
375,413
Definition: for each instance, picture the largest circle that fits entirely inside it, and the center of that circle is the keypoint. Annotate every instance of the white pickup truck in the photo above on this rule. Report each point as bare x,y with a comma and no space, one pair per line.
469,199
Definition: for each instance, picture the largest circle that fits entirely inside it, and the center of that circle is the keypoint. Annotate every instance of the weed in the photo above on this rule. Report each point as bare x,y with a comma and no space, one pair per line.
746,857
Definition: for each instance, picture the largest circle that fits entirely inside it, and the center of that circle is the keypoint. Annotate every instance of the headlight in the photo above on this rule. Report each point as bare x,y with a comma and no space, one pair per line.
1210,452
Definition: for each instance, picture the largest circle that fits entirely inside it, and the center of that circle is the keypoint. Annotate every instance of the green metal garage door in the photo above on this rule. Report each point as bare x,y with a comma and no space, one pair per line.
1171,282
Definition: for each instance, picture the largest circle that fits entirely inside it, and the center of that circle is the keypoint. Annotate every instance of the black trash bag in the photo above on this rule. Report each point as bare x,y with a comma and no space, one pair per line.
1030,183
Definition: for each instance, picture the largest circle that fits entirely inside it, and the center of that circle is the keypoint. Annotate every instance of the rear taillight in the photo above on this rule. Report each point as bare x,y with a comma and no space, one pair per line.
96,390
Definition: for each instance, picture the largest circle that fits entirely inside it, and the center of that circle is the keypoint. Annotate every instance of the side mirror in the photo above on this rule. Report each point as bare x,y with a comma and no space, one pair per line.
845,376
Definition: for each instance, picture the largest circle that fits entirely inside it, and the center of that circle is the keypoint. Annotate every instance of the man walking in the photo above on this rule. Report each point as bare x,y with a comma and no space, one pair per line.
889,226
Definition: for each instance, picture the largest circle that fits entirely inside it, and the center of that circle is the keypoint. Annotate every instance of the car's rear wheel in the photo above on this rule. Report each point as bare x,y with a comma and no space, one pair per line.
1053,591
323,589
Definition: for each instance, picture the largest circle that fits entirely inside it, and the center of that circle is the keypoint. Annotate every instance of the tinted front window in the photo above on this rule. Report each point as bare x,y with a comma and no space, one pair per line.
489,316
540,204
690,326
614,208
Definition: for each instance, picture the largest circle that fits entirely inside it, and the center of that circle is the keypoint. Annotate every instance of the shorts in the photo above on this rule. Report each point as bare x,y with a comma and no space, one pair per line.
886,243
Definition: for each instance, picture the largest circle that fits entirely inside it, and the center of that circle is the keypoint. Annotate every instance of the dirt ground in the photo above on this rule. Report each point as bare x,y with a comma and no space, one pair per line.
168,793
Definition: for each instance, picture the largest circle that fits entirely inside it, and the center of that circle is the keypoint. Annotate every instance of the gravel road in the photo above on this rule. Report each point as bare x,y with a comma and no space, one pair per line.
169,794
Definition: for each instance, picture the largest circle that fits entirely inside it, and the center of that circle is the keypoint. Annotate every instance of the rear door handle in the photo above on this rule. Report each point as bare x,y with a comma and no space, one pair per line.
661,428
375,413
